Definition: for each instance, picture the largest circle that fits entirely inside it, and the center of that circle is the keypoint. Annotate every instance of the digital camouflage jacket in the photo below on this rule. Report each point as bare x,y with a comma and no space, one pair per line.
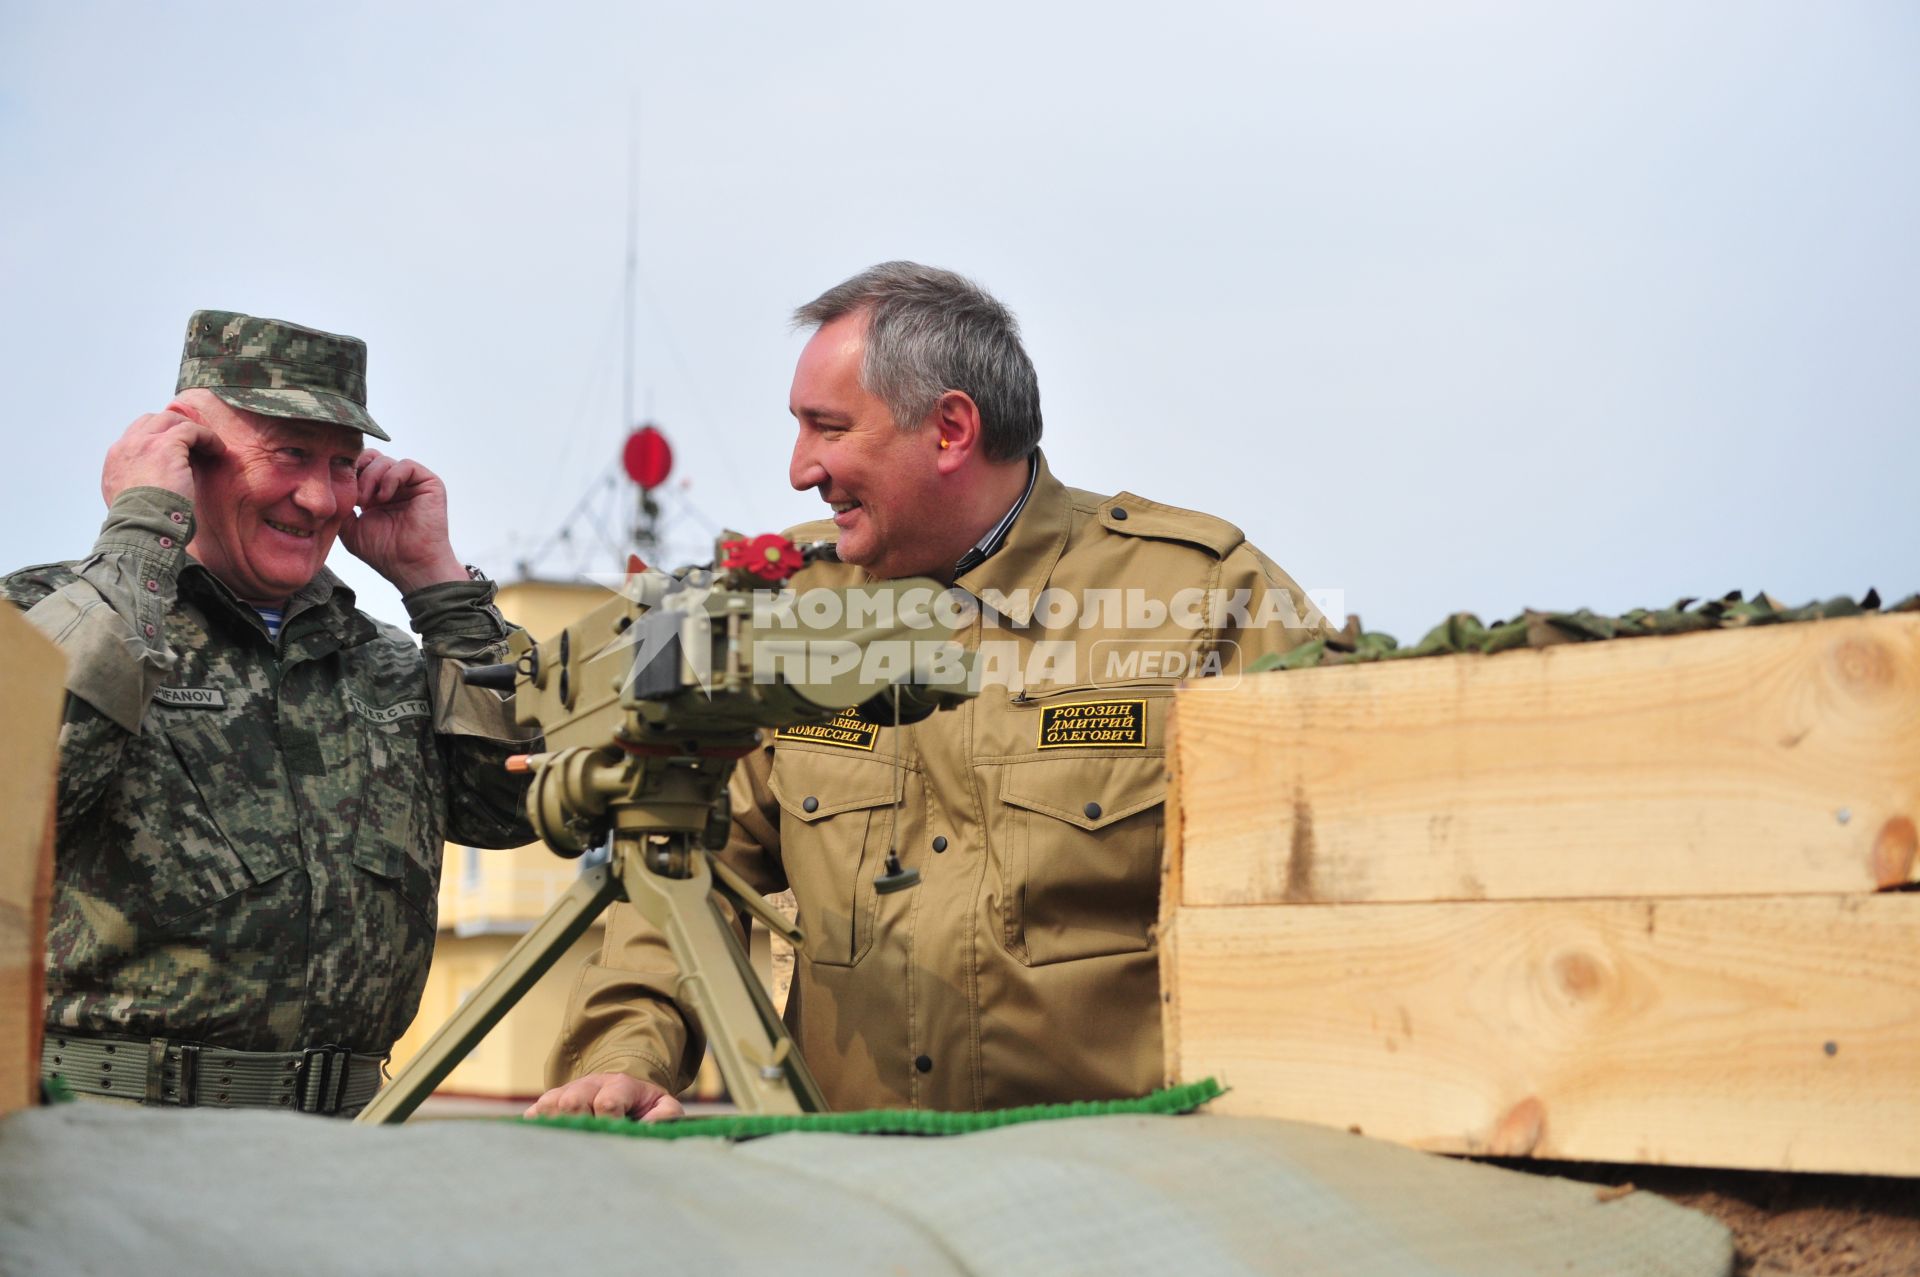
1023,967
250,831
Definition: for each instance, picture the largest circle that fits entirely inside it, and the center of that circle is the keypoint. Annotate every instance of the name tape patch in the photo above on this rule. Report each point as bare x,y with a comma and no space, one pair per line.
191,697
846,730
381,715
1096,723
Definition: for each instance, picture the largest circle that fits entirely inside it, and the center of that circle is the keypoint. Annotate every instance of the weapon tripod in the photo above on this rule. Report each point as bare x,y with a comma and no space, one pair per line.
660,807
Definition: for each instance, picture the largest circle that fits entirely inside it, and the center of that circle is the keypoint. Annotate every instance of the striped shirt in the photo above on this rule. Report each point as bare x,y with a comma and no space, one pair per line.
987,546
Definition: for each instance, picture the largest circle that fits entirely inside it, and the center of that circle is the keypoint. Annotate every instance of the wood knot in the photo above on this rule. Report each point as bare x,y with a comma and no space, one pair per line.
1520,1131
1299,889
1863,665
1579,975
1893,853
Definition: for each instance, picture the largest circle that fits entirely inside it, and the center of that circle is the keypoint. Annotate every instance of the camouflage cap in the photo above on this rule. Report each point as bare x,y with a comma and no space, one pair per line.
278,369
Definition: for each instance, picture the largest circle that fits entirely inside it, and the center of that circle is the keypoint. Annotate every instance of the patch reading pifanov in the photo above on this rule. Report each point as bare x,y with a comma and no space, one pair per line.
190,697
1098,724
845,730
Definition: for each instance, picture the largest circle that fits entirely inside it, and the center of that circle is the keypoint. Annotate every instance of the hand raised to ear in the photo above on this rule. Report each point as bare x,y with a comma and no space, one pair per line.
400,528
156,452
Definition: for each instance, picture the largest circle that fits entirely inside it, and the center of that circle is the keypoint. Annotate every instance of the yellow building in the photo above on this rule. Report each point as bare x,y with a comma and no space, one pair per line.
489,899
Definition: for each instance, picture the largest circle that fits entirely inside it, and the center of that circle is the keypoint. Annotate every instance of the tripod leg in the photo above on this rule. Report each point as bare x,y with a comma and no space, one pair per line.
763,1071
523,966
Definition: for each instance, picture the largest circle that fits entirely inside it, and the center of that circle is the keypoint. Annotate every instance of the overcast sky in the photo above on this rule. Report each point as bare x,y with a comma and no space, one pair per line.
1450,306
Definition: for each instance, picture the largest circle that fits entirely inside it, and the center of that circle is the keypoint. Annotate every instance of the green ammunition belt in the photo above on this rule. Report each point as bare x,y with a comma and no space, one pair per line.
741,1126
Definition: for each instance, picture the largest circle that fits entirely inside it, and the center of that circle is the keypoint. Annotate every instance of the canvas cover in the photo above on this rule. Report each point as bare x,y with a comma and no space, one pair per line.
90,1188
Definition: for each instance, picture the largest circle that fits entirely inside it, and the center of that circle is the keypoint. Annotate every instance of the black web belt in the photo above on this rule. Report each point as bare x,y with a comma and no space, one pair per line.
321,1079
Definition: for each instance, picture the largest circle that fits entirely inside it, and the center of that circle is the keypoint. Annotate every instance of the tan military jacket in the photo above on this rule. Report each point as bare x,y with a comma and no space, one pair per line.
1022,967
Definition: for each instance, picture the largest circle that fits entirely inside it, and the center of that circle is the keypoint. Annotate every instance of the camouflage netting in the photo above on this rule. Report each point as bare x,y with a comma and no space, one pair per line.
1465,632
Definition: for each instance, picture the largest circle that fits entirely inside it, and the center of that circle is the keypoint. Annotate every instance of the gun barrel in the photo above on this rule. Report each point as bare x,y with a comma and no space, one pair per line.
498,677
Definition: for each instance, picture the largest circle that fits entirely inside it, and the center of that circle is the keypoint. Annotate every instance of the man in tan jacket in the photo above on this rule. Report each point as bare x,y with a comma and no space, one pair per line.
1021,968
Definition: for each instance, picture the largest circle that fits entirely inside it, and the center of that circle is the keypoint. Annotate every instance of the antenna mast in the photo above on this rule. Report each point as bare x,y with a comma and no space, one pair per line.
633,266
647,457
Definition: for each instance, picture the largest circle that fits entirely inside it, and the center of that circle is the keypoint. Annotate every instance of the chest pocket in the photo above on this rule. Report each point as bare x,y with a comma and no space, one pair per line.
1078,855
397,839
837,814
215,839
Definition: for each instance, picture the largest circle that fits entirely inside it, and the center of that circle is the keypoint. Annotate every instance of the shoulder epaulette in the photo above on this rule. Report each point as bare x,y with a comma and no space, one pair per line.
37,581
1134,516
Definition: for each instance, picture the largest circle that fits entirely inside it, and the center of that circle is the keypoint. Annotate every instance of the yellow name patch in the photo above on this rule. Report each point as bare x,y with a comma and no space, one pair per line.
845,730
1094,723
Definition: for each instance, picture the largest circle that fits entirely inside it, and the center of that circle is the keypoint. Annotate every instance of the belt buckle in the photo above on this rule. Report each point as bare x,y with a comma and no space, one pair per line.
332,1088
189,1080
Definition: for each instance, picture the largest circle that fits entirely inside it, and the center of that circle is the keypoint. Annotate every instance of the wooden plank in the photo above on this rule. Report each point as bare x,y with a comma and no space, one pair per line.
1166,925
1777,760
31,695
1768,1032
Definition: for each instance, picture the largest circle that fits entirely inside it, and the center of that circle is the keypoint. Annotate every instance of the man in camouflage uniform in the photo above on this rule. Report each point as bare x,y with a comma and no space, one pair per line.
1022,967
256,777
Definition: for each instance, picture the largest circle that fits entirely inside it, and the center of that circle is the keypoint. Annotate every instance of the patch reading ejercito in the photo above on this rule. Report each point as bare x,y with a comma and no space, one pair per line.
1094,723
845,730
191,697
384,714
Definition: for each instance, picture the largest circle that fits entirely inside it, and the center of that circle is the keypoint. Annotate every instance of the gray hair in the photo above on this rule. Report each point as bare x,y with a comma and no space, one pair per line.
930,331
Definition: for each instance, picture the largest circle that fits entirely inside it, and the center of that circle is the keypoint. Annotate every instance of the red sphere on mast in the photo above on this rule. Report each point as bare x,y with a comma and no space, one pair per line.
647,457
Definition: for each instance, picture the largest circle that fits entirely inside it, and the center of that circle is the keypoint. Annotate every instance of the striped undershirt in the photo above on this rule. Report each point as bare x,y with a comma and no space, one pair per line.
988,545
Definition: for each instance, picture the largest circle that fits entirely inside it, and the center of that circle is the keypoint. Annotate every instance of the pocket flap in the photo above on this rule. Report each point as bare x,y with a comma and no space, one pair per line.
225,781
840,784
1089,793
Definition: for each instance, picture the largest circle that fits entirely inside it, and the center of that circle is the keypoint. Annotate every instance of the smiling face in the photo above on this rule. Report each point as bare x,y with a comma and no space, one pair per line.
882,482
268,509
